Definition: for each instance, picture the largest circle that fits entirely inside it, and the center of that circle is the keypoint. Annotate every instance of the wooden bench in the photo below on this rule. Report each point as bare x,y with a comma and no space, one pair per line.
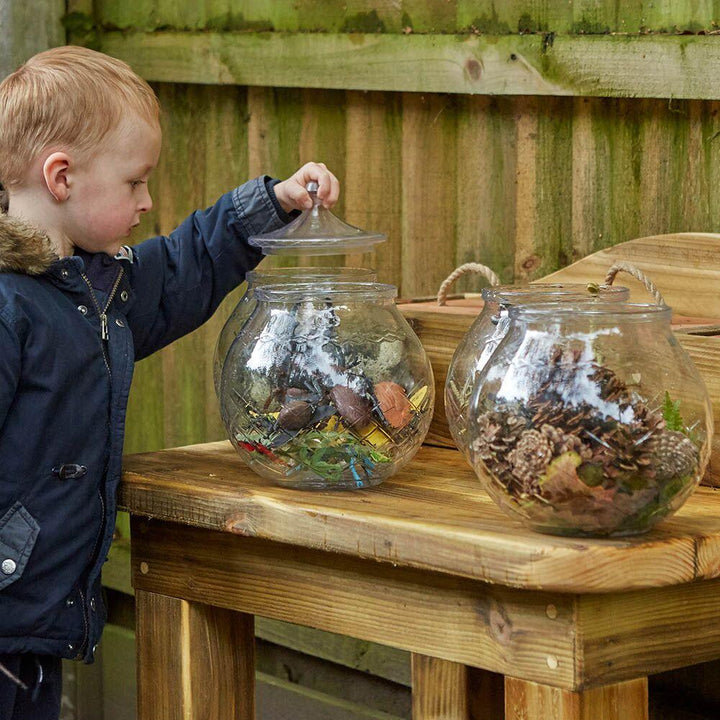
426,563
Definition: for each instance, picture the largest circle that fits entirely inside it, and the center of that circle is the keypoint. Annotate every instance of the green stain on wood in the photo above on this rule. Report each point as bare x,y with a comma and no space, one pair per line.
589,27
490,24
527,24
364,22
81,30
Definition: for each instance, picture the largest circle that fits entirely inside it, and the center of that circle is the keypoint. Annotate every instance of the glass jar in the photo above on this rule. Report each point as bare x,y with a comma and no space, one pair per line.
274,276
589,421
326,386
490,327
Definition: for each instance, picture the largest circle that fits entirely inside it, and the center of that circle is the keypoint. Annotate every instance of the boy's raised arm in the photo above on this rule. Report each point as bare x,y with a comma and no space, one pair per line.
180,280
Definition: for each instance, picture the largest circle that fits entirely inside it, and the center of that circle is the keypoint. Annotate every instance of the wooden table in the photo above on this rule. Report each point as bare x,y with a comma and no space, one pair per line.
426,563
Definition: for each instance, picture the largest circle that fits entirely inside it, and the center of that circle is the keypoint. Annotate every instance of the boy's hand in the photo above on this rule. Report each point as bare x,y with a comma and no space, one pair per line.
292,195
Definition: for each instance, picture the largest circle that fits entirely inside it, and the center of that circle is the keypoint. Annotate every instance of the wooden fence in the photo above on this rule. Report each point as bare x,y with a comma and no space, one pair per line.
521,134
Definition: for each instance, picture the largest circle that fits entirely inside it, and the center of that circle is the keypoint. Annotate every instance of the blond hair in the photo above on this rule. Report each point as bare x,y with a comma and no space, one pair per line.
67,98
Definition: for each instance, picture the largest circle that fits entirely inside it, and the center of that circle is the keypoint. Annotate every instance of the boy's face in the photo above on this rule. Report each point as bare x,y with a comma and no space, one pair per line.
109,192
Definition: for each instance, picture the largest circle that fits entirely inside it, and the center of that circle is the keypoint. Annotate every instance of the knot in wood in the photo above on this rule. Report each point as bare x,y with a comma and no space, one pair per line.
500,625
474,69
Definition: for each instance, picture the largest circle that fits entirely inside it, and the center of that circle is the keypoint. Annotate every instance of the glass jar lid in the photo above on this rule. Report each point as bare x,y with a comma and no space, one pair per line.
326,292
316,232
552,292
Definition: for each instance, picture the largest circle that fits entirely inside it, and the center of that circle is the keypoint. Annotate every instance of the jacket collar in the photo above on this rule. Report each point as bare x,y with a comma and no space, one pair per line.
23,247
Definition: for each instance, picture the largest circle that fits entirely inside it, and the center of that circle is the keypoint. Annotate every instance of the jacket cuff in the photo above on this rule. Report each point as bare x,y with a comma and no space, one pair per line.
256,212
270,184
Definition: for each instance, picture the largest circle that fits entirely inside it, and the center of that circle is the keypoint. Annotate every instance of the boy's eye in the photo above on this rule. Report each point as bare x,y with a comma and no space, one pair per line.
135,183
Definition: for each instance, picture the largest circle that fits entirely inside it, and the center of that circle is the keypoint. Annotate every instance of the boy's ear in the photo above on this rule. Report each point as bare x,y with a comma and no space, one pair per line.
55,173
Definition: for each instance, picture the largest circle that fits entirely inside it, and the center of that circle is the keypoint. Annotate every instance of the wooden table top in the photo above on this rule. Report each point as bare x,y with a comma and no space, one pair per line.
432,515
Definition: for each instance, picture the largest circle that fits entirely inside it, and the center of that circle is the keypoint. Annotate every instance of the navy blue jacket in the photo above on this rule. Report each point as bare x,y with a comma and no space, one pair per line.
63,396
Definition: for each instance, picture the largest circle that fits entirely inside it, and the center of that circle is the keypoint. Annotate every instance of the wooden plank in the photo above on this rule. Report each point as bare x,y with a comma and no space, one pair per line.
486,186
590,66
657,630
446,617
674,262
378,660
429,147
373,177
29,27
486,695
530,701
183,375
478,16
544,199
279,699
439,689
432,515
225,165
194,661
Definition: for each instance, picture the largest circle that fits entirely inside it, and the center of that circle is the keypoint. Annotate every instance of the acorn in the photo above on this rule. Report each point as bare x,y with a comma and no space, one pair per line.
350,405
394,403
295,414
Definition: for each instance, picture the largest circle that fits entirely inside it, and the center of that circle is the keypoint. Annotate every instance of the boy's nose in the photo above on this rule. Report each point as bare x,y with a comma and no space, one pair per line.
146,203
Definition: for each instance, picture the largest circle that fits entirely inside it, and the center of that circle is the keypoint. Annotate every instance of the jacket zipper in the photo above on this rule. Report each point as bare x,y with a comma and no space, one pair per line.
104,337
102,314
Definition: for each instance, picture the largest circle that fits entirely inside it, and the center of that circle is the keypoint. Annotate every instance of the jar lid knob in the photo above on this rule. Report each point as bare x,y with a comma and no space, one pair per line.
312,188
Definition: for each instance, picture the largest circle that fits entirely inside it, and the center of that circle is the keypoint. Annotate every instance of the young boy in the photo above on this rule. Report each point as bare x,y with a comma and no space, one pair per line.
79,137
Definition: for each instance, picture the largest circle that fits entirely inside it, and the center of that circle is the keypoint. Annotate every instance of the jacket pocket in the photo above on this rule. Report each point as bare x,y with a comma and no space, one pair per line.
18,533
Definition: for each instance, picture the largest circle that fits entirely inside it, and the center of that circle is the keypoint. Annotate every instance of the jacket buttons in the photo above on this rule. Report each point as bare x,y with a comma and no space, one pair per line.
82,309
124,295
9,566
64,273
69,602
71,647
92,604
119,322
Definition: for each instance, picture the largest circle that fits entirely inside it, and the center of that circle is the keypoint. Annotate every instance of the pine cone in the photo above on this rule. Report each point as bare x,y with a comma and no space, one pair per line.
612,388
562,442
486,430
674,455
530,458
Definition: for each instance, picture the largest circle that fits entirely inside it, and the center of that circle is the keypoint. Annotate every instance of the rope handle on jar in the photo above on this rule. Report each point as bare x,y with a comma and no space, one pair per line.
638,275
464,270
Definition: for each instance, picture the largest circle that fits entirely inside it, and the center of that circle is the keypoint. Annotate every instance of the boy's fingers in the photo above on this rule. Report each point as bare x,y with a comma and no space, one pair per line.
328,186
299,196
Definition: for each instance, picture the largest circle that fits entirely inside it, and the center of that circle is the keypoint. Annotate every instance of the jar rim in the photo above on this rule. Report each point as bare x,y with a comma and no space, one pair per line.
297,292
593,307
269,275
515,293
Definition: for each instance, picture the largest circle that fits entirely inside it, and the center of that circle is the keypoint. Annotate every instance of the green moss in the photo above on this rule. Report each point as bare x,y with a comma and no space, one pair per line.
406,22
588,27
364,22
491,24
81,30
526,24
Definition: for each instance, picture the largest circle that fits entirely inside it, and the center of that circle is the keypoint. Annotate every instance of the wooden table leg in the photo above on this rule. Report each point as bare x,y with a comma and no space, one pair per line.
439,689
194,661
526,700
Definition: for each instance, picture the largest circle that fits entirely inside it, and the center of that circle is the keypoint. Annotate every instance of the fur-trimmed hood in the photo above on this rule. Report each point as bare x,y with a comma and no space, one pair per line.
23,247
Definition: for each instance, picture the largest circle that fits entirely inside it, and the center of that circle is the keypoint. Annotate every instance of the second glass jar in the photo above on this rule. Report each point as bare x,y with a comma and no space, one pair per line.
490,327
